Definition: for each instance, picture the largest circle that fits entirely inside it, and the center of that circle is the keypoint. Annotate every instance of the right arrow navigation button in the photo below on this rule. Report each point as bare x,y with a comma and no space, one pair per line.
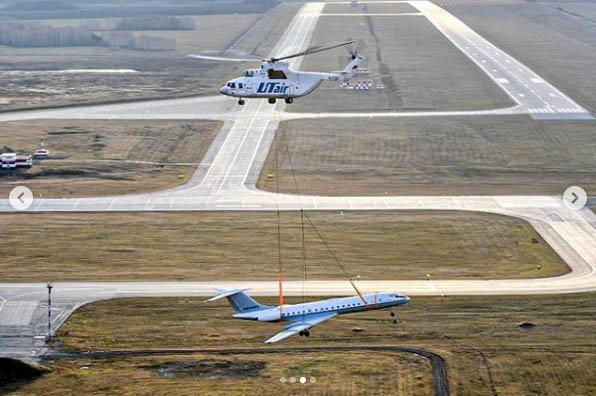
575,198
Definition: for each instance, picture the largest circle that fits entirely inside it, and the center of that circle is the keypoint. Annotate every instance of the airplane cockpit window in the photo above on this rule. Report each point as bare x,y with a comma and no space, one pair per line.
240,85
232,85
249,73
276,74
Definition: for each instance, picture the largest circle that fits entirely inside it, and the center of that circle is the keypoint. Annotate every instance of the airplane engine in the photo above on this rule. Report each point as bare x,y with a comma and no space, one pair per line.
269,315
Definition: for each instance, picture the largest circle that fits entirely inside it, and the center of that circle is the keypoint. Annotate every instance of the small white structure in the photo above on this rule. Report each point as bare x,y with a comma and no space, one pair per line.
41,153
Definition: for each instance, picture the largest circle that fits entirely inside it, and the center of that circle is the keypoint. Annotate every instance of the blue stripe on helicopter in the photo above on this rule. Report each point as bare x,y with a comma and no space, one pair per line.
272,87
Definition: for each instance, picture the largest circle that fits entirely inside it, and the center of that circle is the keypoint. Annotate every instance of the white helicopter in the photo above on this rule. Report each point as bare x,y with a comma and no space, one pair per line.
276,80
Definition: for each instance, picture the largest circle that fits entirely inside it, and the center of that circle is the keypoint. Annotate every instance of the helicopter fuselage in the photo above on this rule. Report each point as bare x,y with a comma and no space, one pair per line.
276,80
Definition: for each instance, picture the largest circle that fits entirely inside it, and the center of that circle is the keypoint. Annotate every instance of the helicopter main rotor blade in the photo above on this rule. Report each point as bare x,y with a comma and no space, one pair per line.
223,58
313,50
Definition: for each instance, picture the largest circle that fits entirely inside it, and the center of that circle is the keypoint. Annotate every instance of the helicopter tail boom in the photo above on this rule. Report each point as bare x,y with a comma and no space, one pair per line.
351,70
353,66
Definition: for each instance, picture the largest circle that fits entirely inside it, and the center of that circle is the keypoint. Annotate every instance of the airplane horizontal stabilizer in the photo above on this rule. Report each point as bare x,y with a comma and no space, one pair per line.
222,293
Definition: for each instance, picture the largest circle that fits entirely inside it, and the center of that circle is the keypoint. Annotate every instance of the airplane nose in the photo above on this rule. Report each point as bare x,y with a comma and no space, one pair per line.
223,90
406,298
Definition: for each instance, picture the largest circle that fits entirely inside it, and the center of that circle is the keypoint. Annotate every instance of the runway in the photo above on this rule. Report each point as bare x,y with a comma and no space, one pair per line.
226,178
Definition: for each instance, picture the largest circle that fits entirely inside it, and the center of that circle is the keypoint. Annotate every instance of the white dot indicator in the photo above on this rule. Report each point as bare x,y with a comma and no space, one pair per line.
292,379
313,380
303,380
282,380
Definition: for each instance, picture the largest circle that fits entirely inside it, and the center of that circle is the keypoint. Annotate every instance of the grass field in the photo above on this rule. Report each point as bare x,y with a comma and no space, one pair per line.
202,38
160,74
243,246
557,40
265,34
434,155
241,374
486,349
89,158
417,66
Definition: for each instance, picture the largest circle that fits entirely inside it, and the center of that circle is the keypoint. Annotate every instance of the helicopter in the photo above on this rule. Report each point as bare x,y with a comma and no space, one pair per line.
277,80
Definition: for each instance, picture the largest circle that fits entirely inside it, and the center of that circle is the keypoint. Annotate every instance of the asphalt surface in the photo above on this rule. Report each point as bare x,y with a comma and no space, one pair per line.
225,180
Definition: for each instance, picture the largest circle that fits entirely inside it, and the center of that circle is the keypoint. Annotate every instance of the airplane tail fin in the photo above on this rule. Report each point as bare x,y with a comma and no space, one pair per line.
239,300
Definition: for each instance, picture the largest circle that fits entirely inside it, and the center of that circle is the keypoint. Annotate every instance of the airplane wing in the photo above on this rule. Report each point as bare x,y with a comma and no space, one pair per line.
302,322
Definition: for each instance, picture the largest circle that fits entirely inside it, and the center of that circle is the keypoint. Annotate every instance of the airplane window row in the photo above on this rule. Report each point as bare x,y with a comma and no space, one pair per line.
321,309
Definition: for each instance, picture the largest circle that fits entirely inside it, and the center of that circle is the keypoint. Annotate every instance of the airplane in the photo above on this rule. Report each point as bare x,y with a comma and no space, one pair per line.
301,317
276,80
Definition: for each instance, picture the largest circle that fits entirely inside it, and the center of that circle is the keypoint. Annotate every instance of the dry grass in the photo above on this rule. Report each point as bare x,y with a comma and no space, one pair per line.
545,37
89,157
437,155
162,74
486,350
242,246
335,373
202,38
418,66
264,35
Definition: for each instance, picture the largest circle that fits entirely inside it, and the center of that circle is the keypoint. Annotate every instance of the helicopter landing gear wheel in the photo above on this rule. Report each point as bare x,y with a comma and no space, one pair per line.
271,100
241,102
306,333
289,100
301,333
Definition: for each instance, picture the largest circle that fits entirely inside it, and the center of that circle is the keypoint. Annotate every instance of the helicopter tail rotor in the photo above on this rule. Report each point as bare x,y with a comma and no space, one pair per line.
356,48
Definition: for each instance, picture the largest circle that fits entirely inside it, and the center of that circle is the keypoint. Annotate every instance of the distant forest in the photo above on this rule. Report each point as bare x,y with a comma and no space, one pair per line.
64,9
16,33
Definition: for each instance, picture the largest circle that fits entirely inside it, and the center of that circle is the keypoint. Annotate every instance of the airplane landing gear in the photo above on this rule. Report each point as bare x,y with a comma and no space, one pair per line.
241,102
289,100
271,100
304,333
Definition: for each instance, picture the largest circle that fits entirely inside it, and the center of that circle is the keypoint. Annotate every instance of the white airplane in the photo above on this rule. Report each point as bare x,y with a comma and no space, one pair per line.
301,317
276,80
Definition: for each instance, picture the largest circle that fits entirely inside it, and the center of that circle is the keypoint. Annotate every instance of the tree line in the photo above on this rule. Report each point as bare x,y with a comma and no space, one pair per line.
16,33
156,22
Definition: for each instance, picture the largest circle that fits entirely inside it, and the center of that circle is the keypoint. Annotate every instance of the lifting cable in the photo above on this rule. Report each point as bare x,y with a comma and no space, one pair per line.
303,215
302,235
336,259
279,261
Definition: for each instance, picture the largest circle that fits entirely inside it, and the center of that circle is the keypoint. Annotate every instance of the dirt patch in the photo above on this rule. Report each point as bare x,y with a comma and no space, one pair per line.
211,369
14,372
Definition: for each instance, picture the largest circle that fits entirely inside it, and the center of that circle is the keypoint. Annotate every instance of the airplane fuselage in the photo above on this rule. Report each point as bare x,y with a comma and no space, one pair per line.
339,306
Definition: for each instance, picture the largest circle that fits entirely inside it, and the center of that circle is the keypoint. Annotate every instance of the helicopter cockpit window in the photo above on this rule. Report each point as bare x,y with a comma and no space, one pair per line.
276,74
232,85
249,73
240,85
